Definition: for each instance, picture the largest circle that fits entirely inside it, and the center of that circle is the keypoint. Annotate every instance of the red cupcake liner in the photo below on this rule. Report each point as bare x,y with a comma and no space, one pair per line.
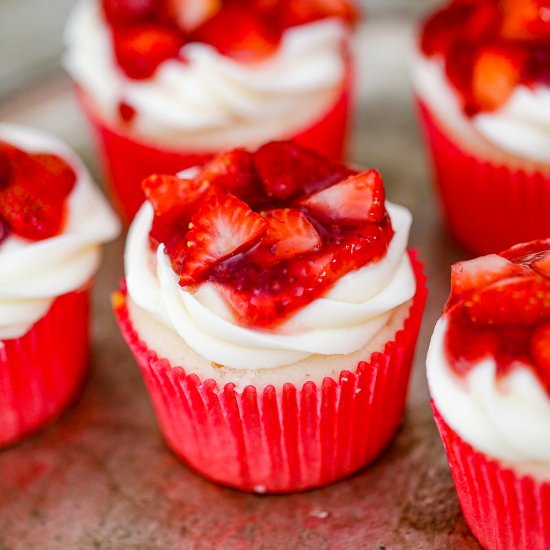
487,206
503,509
127,161
281,440
42,371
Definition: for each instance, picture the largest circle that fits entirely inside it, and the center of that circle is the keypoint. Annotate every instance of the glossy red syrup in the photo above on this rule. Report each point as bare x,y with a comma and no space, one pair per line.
33,192
507,319
296,241
482,40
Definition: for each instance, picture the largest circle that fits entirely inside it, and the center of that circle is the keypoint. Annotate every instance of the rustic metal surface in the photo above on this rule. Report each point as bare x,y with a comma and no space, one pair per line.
101,477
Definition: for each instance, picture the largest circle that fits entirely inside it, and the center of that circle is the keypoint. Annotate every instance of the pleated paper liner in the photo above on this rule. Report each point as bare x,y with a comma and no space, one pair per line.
487,206
504,510
127,161
42,371
288,439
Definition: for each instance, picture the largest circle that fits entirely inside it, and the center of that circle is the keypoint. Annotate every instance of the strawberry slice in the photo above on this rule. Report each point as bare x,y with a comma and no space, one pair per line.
511,301
496,73
167,193
190,14
480,272
238,32
127,12
57,179
300,12
223,226
542,265
232,172
540,350
289,233
140,50
288,170
359,198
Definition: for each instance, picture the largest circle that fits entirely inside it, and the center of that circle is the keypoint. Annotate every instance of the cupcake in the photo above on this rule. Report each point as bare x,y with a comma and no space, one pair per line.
489,378
481,79
167,84
52,223
273,309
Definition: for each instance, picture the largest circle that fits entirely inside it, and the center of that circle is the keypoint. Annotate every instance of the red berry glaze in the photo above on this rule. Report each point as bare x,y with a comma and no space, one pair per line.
500,307
33,192
489,47
147,32
269,256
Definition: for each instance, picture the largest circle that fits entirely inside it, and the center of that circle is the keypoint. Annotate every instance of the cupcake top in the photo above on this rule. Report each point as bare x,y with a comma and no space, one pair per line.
489,360
52,221
494,56
276,251
206,74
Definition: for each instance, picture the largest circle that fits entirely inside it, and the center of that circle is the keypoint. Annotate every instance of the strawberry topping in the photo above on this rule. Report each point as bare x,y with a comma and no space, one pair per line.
489,47
268,256
146,33
500,307
33,190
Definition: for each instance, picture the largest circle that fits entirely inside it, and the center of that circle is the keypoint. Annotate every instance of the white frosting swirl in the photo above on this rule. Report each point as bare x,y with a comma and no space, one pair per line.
34,273
507,418
520,127
211,101
344,320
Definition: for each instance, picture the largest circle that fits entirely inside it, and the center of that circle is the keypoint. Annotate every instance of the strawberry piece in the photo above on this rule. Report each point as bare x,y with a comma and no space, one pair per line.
223,226
540,350
57,178
140,50
168,193
190,14
238,32
232,172
288,170
289,233
300,12
527,253
542,265
359,198
526,20
126,111
511,301
480,272
127,12
496,73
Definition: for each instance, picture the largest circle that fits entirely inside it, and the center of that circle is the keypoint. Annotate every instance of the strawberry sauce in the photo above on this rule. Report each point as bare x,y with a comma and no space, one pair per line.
489,47
33,192
272,229
499,308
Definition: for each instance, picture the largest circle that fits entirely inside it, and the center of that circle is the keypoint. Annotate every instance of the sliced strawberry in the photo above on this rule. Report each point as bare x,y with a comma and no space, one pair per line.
359,198
289,233
299,12
190,14
526,19
232,172
56,178
140,50
496,73
167,193
542,265
480,272
527,253
238,32
222,226
127,12
540,350
288,170
511,301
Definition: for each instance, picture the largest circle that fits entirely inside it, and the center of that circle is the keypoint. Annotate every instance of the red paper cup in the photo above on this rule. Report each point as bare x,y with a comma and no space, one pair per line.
488,207
280,440
504,510
127,161
42,371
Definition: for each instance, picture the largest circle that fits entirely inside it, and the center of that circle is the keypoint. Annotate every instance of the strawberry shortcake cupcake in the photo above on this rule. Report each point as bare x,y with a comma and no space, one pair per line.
273,308
167,84
482,84
489,378
52,224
